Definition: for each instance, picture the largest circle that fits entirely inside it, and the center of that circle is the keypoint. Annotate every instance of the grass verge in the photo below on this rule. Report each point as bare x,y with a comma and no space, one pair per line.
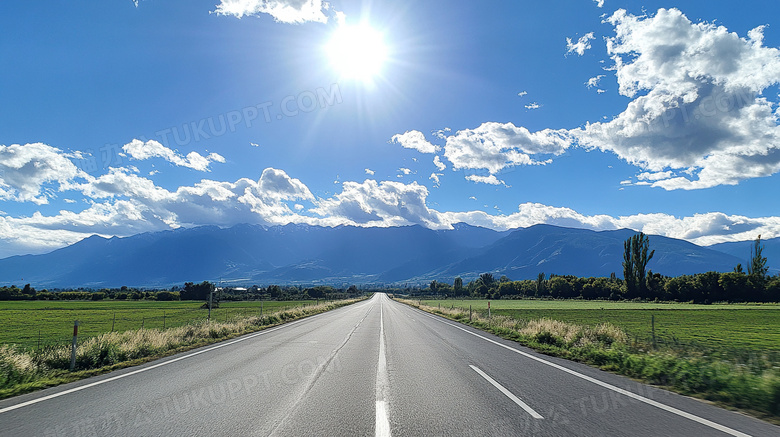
24,371
751,383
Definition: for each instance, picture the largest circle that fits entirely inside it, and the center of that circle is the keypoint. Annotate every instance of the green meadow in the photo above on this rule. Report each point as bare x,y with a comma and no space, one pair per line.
38,324
721,327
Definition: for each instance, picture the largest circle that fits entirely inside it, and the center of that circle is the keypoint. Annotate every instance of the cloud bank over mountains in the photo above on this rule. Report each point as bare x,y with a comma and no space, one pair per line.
122,202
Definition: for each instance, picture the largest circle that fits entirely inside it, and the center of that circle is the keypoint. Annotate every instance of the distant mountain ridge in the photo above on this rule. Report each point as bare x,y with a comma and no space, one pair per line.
254,254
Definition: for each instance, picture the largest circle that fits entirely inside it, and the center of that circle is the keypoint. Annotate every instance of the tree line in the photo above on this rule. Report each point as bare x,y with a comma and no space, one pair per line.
190,291
638,283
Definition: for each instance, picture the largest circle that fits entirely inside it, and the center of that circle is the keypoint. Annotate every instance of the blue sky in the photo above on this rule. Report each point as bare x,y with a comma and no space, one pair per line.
124,117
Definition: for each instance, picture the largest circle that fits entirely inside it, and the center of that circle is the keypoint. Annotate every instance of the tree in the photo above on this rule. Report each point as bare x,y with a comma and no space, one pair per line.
635,259
560,287
628,267
30,291
197,291
540,284
274,291
757,268
487,279
734,285
458,286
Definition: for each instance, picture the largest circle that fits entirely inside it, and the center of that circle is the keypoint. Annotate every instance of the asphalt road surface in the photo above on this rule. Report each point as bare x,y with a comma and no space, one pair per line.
377,367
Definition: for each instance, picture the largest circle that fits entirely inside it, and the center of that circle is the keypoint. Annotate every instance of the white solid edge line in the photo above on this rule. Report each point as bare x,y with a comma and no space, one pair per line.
656,404
382,426
508,393
154,366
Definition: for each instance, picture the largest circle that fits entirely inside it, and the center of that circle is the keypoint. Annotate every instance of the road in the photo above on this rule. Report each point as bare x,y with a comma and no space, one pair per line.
377,367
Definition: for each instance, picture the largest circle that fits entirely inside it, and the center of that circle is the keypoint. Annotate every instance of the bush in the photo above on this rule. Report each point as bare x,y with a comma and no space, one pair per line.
167,295
547,337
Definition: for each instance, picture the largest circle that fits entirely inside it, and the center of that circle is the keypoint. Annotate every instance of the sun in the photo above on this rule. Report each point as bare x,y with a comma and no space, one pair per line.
357,52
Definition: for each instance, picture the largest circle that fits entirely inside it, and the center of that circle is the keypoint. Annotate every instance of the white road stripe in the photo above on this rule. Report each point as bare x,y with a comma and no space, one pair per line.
135,372
508,393
656,404
382,383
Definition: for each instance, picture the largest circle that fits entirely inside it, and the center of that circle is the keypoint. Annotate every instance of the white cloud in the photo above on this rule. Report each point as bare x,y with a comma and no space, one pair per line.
533,105
207,202
599,3
522,93
594,81
283,11
385,203
369,172
439,165
404,170
442,133
152,149
581,45
654,176
696,101
435,177
490,180
27,172
415,140
254,144
495,146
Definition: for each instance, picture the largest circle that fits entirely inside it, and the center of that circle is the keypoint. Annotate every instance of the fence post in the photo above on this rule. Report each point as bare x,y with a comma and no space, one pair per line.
211,293
73,346
469,313
163,319
113,322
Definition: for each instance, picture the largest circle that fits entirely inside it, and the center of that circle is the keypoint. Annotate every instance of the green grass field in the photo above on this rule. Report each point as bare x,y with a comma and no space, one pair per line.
36,324
720,327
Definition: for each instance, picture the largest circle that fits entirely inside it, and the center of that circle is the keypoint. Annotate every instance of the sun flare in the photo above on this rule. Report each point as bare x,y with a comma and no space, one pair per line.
357,52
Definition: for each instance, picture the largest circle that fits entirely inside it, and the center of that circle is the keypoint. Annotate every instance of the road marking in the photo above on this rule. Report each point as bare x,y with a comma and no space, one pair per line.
508,393
382,428
154,366
608,386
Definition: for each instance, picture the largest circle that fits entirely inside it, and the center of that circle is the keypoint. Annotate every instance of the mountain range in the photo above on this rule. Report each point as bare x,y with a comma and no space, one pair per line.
303,254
